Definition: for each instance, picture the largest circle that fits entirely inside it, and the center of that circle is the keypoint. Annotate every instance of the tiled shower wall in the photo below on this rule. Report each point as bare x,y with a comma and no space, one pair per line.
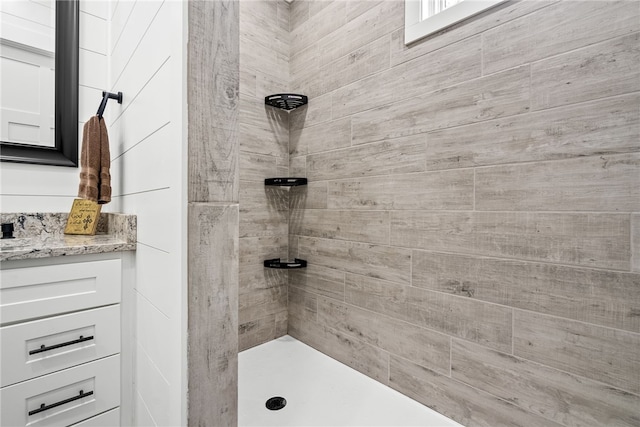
471,222
264,141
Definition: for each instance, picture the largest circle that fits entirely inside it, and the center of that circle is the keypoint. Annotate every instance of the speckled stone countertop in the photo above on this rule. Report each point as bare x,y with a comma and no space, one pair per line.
41,235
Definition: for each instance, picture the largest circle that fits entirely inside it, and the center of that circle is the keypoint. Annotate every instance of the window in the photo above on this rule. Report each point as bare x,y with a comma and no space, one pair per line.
424,17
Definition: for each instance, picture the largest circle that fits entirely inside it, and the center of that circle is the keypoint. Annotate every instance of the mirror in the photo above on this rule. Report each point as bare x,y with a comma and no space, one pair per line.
63,151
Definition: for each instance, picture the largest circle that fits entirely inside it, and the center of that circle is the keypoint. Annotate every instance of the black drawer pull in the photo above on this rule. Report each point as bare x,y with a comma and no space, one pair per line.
64,344
44,407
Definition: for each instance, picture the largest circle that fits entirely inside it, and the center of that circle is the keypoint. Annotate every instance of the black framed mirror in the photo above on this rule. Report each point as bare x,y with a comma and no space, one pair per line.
65,150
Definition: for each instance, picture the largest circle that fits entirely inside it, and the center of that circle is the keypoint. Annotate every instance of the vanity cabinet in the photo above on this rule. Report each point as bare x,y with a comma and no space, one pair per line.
61,335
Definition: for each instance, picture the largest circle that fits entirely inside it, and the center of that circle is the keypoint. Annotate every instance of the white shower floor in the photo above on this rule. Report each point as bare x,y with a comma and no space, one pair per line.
319,391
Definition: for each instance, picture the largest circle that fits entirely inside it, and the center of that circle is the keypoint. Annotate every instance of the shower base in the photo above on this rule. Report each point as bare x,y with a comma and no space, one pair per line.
319,391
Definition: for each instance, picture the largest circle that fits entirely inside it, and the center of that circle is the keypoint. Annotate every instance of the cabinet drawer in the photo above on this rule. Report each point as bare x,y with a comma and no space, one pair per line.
108,419
64,397
43,346
31,292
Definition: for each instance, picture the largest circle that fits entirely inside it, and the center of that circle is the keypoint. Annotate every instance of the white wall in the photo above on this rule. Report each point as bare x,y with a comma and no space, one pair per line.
38,188
149,166
136,48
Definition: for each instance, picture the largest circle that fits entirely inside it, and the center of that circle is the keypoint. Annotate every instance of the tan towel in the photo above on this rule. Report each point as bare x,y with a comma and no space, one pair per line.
95,160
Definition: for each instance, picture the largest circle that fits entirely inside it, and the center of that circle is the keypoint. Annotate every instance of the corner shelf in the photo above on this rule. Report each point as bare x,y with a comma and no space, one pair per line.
285,182
278,263
286,101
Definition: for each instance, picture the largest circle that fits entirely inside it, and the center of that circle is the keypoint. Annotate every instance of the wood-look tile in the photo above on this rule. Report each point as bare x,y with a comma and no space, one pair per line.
357,354
567,399
213,164
324,137
368,227
299,13
598,71
259,303
303,305
317,111
362,62
421,346
356,8
284,14
256,167
268,84
572,25
256,332
262,223
383,262
319,280
311,196
248,79
254,250
213,313
603,354
369,26
458,401
428,73
493,17
473,320
298,166
256,196
402,155
587,239
430,191
604,183
259,140
320,24
607,298
603,127
499,95
213,102
635,242
259,28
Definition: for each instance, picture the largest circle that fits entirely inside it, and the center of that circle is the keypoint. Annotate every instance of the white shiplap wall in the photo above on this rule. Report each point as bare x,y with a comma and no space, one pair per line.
149,160
38,188
135,47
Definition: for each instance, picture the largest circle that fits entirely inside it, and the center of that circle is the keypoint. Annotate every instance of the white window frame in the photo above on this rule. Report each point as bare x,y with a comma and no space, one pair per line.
415,28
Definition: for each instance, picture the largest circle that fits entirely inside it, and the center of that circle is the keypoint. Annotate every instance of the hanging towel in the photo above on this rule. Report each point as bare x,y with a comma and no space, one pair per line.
95,160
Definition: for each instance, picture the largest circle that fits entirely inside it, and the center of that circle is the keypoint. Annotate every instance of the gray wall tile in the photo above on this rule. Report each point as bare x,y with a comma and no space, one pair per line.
607,298
587,239
557,29
567,399
605,69
473,320
466,405
607,355
400,155
431,190
213,313
604,183
422,346
490,97
376,261
603,127
368,227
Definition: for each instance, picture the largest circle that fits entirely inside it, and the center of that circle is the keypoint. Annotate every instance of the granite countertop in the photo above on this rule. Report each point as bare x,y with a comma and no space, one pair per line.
41,235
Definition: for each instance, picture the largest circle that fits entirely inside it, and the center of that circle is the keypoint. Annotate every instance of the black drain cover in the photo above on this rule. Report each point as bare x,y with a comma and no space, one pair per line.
275,403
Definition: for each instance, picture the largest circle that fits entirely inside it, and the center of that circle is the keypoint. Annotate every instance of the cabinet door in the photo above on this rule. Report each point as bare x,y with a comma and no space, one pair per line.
39,347
64,397
108,419
33,292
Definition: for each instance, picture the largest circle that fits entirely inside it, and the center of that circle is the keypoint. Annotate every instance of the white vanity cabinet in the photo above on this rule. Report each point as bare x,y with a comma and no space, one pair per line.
61,340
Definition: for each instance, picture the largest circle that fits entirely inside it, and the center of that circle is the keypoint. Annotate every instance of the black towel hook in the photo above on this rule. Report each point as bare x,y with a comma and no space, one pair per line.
105,97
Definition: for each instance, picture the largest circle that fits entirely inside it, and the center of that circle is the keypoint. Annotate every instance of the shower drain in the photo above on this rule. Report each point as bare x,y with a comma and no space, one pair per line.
275,403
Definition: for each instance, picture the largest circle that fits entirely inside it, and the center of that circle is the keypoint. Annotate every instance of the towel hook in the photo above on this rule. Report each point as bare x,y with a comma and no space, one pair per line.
105,97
